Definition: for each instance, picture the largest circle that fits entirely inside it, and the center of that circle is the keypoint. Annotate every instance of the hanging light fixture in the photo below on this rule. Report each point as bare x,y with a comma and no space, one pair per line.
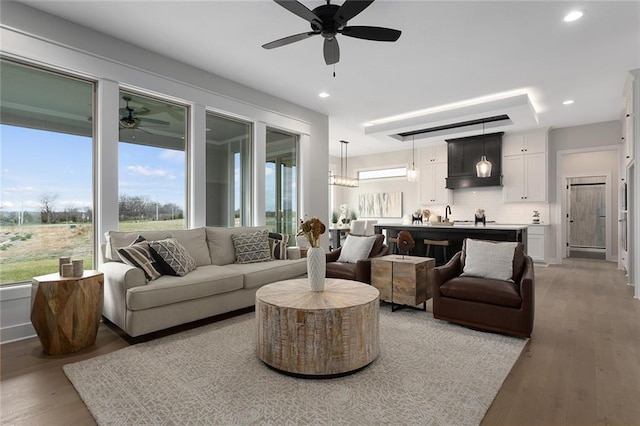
413,174
483,167
342,179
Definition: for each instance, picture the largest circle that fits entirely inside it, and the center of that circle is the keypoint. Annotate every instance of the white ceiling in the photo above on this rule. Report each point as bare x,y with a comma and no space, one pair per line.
449,51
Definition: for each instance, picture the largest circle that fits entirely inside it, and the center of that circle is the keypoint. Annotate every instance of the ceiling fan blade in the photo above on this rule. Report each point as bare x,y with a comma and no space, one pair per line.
349,9
153,120
288,40
301,10
372,33
331,51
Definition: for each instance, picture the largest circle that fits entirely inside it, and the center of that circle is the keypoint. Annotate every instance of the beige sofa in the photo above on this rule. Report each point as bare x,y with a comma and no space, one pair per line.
216,286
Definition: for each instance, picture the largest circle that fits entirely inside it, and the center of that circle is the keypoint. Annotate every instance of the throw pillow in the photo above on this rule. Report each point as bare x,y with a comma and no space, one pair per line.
488,259
356,248
139,254
176,258
252,247
278,245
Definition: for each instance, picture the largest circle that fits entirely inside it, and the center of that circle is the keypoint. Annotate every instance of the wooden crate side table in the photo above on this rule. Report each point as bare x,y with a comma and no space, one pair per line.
403,280
65,311
317,334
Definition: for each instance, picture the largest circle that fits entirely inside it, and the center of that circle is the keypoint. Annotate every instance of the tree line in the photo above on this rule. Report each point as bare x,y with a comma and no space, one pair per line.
131,207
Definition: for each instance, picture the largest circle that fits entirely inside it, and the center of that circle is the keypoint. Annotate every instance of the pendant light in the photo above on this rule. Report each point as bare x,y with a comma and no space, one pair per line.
342,179
483,167
413,174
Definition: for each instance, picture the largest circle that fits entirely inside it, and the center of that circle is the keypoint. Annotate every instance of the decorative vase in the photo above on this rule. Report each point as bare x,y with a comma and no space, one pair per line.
316,268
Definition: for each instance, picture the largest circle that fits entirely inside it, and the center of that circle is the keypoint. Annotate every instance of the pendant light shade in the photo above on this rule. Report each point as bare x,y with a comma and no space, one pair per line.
483,168
413,174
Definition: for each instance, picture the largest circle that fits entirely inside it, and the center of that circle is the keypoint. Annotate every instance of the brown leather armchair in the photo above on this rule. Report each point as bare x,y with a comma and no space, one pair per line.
359,271
487,304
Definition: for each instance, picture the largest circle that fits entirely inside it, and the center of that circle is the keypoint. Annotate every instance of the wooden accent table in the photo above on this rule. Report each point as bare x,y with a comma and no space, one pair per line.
317,334
65,311
403,280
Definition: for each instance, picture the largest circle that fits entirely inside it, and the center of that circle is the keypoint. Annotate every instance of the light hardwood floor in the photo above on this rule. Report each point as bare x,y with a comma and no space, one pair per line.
581,366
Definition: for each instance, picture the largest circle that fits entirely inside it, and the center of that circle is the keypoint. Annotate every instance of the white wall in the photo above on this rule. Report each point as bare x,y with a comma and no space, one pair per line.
36,37
591,148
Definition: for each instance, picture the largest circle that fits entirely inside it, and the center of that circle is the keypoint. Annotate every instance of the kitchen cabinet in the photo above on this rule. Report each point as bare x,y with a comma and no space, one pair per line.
433,154
537,243
627,131
528,143
525,178
433,178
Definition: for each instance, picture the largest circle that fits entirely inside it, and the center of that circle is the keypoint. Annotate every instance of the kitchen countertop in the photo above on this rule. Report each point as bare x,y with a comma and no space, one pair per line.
490,226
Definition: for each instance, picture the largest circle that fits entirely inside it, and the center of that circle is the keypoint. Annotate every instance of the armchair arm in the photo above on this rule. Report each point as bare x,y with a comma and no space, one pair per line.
363,270
333,256
527,290
444,273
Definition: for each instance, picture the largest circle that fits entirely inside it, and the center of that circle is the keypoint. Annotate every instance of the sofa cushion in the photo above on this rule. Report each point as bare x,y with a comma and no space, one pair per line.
278,245
139,255
119,239
221,248
356,248
258,274
195,241
489,259
203,282
252,247
175,259
483,290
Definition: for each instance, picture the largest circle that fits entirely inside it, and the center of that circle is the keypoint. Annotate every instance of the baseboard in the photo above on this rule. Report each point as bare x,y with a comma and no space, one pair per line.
17,332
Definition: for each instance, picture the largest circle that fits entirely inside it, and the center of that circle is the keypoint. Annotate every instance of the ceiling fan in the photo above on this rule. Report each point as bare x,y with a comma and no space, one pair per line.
131,120
330,20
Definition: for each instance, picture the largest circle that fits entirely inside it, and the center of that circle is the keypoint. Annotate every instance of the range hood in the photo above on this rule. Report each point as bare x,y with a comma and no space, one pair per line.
464,153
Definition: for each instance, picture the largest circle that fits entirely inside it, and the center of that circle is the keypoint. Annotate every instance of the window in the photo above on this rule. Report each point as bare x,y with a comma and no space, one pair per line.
281,190
46,204
228,164
151,163
383,173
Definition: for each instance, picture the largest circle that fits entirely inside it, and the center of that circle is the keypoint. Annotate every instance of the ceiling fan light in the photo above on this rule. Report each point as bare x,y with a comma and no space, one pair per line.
483,168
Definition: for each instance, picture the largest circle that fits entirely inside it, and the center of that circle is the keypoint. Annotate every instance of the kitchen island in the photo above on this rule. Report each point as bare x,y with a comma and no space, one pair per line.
455,234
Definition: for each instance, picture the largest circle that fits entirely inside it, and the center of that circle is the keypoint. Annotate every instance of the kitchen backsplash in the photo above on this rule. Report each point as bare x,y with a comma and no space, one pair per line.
467,201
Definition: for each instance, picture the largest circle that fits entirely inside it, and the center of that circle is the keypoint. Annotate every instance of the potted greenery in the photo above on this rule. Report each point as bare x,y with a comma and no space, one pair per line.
334,218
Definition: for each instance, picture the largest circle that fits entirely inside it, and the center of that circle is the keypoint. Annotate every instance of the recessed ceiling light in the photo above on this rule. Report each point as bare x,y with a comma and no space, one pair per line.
567,102
574,15
323,94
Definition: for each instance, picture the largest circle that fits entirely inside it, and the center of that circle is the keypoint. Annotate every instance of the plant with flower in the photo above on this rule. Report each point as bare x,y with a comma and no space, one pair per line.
312,229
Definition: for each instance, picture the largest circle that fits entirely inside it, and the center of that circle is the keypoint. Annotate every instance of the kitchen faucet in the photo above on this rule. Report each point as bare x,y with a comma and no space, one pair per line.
447,212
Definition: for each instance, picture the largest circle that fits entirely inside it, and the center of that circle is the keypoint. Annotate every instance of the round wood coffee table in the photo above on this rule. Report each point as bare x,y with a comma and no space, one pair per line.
317,334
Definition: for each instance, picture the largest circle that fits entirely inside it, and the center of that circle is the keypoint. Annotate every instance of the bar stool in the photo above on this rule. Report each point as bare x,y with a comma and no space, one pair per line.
431,244
393,245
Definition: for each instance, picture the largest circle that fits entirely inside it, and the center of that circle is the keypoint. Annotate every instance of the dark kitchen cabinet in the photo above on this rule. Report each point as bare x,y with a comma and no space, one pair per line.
464,153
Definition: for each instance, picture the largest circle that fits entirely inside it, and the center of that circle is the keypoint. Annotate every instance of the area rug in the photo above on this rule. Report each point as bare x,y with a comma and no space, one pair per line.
428,372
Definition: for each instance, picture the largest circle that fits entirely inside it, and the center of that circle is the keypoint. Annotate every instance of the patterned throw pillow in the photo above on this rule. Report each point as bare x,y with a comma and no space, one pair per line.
177,260
252,247
139,254
278,245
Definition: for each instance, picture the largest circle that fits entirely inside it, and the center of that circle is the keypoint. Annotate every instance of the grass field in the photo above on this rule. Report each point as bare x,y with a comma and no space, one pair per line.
31,250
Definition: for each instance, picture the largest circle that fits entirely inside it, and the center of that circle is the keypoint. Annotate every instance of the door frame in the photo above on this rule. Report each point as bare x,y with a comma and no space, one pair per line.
564,209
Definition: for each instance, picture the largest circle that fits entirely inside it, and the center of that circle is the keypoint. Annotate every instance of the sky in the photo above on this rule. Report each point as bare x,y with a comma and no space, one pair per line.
35,162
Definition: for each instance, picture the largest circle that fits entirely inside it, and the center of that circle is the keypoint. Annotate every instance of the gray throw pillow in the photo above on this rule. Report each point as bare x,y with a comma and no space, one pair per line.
174,255
252,247
488,259
356,248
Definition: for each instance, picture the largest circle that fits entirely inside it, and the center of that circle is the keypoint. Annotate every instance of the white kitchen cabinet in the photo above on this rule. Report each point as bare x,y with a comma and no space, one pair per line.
537,243
627,132
524,178
433,154
433,181
527,143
